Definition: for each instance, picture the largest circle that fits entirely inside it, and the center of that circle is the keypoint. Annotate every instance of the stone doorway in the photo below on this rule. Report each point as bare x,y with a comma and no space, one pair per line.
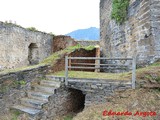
33,54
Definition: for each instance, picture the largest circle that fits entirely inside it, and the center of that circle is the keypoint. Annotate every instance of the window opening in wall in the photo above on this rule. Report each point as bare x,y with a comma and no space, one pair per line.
33,54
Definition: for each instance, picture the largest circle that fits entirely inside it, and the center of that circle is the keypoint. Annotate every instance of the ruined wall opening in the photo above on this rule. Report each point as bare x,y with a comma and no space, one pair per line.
78,100
33,54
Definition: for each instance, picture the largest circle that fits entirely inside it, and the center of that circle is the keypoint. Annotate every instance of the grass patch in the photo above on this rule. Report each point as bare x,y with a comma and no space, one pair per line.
135,100
78,46
68,117
57,55
95,75
151,72
15,115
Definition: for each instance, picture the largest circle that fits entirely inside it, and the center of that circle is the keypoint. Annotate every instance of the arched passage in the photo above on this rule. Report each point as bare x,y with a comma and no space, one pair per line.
33,54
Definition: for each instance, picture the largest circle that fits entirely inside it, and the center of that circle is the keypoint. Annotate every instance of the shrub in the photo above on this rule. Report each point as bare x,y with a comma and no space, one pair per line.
119,10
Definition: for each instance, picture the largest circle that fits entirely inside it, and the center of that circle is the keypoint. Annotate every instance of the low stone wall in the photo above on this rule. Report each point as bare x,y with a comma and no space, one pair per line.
13,85
96,91
87,43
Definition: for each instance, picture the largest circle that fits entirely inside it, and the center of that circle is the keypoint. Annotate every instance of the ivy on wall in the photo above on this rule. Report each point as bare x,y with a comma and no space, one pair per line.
119,10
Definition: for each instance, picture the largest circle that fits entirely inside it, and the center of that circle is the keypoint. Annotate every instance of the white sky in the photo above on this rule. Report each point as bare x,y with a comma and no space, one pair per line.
57,16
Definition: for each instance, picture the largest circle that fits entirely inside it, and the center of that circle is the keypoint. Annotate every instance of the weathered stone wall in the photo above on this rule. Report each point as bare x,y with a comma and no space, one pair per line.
64,101
11,89
61,42
20,47
87,43
96,91
139,35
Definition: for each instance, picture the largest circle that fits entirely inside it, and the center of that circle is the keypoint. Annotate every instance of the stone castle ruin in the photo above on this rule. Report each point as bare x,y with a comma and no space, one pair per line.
20,47
138,36
44,96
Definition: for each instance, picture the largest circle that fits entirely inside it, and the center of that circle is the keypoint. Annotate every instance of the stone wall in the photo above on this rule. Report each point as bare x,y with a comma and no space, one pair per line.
63,102
139,35
87,43
13,85
61,42
20,47
95,90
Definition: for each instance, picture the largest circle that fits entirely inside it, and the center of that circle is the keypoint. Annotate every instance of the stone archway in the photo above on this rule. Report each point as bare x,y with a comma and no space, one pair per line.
33,54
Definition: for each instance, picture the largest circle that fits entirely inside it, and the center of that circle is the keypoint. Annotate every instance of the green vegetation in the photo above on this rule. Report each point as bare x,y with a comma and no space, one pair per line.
78,46
21,82
10,24
15,115
119,10
32,29
151,73
68,117
57,55
51,34
5,87
8,84
96,75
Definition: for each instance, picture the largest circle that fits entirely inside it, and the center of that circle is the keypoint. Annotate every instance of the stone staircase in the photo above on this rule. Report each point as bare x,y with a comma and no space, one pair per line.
38,96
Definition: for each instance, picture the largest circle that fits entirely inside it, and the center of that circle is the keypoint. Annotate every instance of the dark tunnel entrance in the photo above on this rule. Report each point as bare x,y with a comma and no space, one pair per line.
78,100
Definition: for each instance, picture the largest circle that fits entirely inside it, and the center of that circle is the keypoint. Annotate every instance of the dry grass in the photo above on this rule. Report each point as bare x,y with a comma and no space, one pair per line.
131,100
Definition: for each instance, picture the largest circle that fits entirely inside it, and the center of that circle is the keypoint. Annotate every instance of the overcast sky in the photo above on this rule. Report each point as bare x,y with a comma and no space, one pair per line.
57,16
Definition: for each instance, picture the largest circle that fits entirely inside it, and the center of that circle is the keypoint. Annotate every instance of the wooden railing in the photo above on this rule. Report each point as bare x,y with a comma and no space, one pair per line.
69,65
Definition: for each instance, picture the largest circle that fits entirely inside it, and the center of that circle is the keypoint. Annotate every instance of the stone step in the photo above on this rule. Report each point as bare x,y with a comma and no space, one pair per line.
45,89
56,78
50,83
38,95
25,109
37,104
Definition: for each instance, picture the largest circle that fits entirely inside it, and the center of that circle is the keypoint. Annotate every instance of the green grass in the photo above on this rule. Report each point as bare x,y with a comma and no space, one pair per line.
57,55
15,115
151,72
95,75
69,117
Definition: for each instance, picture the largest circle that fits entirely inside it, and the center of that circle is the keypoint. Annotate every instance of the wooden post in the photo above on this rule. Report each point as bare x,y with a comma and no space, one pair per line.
97,62
66,70
134,73
69,62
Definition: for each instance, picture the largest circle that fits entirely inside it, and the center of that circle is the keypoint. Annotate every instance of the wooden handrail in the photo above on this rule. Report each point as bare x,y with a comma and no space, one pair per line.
100,66
98,58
